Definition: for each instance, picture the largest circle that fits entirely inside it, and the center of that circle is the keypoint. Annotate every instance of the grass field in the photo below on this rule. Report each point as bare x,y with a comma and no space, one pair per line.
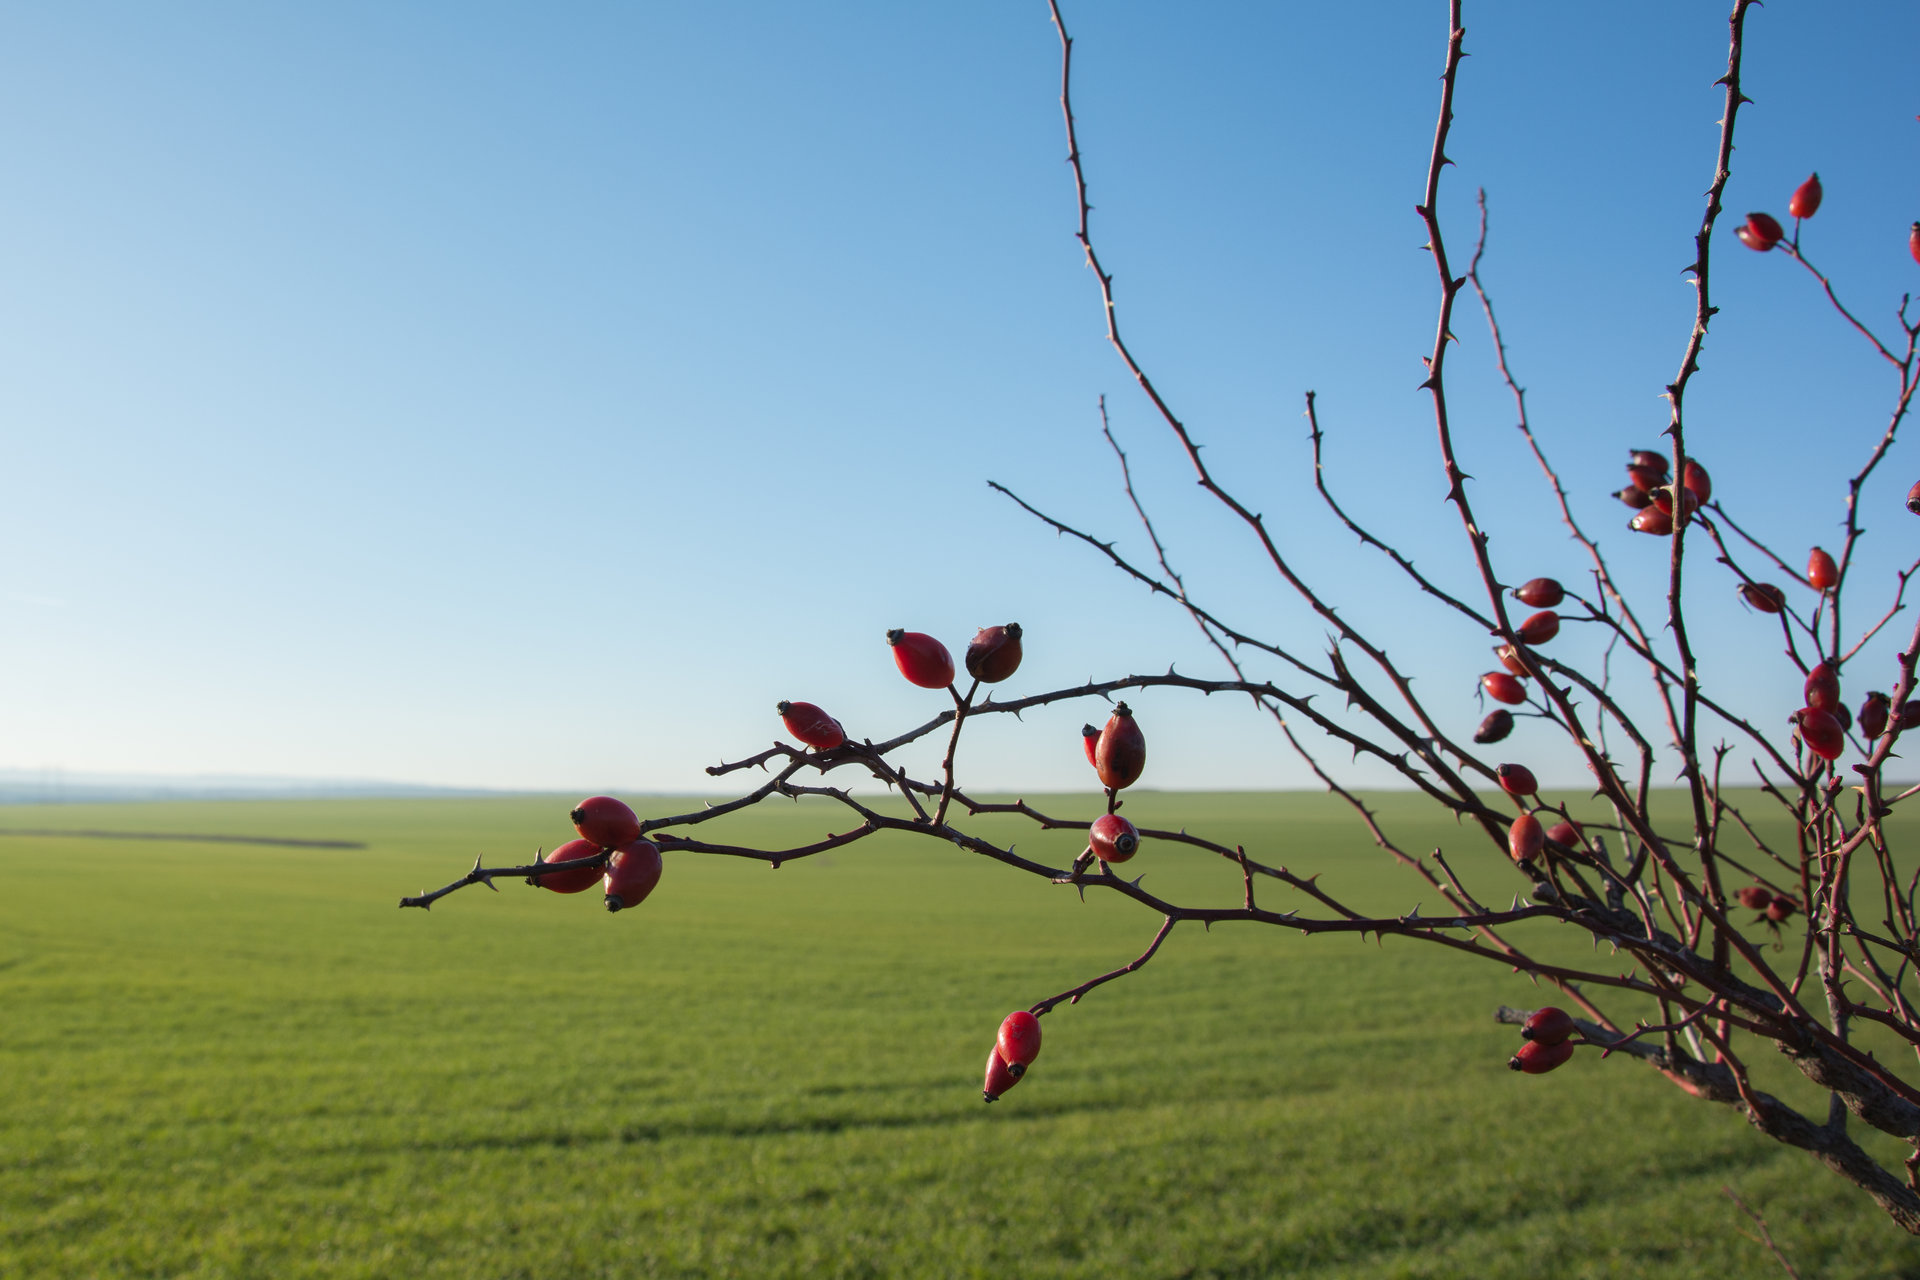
233,1060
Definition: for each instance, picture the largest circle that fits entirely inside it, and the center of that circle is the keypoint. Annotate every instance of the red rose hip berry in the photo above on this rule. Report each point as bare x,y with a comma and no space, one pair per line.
1755,897
1823,687
1698,482
607,822
1517,780
1873,714
1502,687
1913,498
1652,521
922,659
632,872
811,725
1806,198
1822,573
1090,739
575,879
1121,754
1763,596
994,654
1540,593
1762,231
1536,1059
1820,731
1019,1042
1496,726
1548,1026
1540,628
1112,838
1525,839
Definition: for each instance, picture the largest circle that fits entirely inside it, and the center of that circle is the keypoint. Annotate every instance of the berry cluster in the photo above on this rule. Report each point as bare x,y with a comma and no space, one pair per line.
1547,1044
610,851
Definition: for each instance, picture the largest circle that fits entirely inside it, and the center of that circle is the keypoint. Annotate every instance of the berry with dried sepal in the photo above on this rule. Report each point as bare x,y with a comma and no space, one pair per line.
1547,1026
1121,754
632,872
1539,628
1536,1059
1496,726
1822,572
1823,687
1654,521
1634,496
1525,838
1873,714
994,654
1502,687
1698,482
922,659
1090,739
605,821
1112,838
1517,780
1806,198
1540,593
1913,498
1019,1042
811,725
999,1078
1762,232
1820,731
1763,596
1755,897
574,879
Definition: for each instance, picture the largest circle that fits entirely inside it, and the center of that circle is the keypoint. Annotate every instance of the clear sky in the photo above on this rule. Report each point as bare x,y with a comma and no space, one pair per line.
532,396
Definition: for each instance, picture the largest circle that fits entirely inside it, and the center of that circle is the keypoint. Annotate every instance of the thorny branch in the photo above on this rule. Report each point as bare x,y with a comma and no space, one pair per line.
1833,909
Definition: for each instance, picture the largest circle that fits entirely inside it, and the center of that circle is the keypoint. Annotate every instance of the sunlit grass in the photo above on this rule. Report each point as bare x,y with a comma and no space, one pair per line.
230,1060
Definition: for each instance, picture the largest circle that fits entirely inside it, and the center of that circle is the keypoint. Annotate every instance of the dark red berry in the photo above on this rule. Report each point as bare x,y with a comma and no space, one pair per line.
1913,242
1548,1026
1873,715
1781,909
1525,838
1913,499
1654,521
999,1079
1823,687
1663,498
1090,739
1909,715
1540,628
1820,731
1822,572
605,821
1634,496
1121,753
1510,659
1755,896
1536,1059
811,725
575,879
1653,460
1565,834
922,659
1496,726
1502,687
1763,596
1647,479
1019,1042
1806,198
1113,838
1698,482
1843,715
1540,593
632,873
1763,232
1517,780
994,654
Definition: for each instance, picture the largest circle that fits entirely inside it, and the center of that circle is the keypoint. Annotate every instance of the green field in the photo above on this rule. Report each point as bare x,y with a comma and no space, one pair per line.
240,1060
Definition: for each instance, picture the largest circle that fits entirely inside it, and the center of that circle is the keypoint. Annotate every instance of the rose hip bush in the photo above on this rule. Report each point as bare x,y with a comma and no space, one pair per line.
1719,942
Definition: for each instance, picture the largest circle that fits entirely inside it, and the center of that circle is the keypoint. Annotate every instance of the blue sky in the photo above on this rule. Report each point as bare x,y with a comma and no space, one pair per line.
525,396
